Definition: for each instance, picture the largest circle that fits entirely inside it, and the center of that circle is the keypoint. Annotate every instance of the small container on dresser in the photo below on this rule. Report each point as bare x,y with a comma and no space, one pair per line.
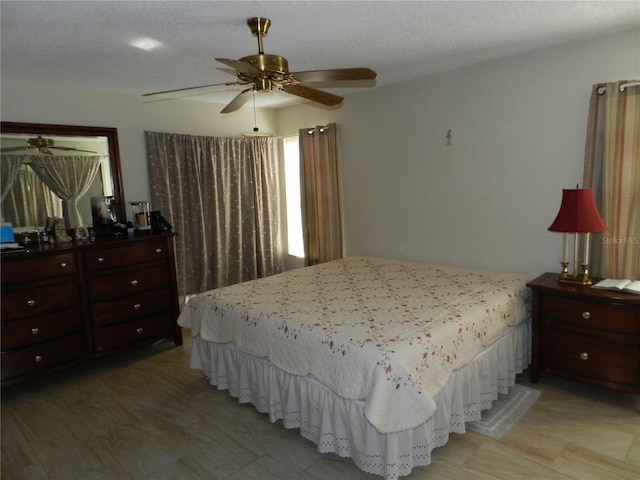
65,305
585,334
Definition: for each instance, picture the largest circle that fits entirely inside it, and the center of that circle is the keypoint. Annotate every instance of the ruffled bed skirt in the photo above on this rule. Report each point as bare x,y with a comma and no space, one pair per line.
339,425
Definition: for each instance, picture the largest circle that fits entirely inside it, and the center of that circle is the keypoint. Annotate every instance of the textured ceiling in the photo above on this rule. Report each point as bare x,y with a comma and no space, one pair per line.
89,43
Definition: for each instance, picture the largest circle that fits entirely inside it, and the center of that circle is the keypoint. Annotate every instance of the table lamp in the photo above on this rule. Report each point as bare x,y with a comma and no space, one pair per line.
578,215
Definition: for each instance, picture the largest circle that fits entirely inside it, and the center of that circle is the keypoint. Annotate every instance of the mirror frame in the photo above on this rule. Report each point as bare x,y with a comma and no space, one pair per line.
81,131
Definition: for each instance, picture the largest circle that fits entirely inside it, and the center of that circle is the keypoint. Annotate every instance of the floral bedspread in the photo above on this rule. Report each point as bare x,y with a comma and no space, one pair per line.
385,331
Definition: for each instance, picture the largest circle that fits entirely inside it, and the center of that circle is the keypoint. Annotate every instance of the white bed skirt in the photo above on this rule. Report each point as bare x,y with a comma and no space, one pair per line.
339,426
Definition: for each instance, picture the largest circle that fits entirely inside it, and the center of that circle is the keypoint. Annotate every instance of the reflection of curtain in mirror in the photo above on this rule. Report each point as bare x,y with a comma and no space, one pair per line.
69,177
9,168
29,201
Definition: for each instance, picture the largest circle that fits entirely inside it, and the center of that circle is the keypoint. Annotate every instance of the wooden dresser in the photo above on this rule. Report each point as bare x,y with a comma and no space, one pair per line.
66,305
585,334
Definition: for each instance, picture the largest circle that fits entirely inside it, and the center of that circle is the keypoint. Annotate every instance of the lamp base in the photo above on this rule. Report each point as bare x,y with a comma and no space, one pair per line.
576,279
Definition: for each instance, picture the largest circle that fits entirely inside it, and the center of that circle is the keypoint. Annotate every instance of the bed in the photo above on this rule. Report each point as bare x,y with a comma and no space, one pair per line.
375,359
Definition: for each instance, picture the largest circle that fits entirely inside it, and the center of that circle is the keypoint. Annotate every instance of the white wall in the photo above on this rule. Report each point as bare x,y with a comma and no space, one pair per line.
40,104
518,134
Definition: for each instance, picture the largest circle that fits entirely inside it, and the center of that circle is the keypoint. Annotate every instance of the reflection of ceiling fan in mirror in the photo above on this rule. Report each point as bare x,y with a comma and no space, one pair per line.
264,72
43,145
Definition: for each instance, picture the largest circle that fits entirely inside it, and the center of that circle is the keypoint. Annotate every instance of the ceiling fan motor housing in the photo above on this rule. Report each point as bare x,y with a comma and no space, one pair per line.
40,142
273,66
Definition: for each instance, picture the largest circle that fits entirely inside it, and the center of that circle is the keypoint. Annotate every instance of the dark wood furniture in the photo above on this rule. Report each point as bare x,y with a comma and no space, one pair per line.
585,334
65,305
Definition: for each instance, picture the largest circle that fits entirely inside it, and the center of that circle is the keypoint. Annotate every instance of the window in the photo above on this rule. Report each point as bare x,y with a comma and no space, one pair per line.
292,194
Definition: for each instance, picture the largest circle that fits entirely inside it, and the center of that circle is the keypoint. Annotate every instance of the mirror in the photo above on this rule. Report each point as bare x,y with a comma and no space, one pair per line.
62,141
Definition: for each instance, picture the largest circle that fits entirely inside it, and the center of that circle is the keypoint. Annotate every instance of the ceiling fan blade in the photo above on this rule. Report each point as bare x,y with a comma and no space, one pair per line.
240,66
313,94
71,149
340,74
226,84
237,102
15,149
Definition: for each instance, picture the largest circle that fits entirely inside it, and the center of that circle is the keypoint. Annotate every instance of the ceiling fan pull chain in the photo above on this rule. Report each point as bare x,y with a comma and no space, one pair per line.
255,121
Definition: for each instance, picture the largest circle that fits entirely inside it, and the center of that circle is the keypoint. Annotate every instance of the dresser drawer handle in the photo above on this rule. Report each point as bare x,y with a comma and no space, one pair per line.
100,259
35,331
62,265
38,358
31,303
137,306
584,356
158,250
139,330
134,282
586,315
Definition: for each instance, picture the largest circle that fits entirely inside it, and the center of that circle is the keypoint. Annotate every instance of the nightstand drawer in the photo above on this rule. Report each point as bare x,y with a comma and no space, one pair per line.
591,358
591,314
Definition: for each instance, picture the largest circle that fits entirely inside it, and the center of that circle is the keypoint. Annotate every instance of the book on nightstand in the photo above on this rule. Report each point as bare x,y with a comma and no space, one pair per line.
629,286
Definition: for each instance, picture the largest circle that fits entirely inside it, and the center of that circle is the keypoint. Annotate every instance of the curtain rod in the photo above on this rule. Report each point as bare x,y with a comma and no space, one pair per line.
602,89
320,128
629,84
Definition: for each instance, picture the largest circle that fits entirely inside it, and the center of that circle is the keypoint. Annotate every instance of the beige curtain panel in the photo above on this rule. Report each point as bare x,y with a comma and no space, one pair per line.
321,194
612,168
69,177
222,197
29,201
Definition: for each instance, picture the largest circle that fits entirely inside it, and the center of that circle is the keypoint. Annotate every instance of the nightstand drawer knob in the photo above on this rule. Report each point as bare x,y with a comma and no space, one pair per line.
38,358
586,315
62,265
137,306
158,250
31,303
139,331
134,282
35,331
584,356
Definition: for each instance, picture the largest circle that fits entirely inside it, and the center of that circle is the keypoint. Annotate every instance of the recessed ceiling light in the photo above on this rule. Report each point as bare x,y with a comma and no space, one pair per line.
146,43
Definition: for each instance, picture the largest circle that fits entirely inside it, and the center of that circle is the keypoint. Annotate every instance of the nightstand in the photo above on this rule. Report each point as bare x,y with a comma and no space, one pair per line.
585,334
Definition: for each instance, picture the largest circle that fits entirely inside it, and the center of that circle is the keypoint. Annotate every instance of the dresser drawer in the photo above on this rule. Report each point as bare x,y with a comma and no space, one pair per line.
591,314
132,332
39,268
99,259
591,358
134,306
23,302
40,328
42,357
128,282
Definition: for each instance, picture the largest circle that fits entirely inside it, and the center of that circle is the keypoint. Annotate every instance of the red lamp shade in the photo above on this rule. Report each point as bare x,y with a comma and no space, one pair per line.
578,213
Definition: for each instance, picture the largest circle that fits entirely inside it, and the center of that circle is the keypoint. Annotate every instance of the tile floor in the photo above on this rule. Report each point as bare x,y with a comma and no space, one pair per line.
145,415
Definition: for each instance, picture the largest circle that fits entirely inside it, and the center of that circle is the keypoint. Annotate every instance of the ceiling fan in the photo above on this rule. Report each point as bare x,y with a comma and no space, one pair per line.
43,145
264,72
